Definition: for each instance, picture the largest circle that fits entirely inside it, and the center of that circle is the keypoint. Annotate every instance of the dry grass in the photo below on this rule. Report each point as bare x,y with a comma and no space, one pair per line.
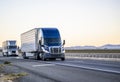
4,64
11,76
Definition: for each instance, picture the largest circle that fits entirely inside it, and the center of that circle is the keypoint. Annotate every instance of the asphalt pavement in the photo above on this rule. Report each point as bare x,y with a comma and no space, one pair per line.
70,70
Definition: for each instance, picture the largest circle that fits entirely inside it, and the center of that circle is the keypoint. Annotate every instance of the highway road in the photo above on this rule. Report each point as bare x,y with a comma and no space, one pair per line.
70,70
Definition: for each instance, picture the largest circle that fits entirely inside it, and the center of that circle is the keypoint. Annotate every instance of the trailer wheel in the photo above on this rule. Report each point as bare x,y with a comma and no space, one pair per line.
35,56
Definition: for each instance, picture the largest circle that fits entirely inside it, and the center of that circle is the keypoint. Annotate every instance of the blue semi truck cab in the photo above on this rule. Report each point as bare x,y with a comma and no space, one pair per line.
43,43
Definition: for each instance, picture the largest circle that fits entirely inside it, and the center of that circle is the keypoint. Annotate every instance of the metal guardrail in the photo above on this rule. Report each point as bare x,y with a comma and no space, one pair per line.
102,54
94,55
92,51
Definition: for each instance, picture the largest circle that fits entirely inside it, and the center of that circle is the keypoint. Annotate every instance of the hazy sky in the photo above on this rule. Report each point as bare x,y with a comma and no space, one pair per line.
81,22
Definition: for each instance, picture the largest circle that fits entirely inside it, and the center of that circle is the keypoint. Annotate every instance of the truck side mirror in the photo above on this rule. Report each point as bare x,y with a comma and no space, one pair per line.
63,42
40,42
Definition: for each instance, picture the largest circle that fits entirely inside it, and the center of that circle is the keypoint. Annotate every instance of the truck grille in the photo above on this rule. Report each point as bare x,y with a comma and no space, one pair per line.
55,50
13,51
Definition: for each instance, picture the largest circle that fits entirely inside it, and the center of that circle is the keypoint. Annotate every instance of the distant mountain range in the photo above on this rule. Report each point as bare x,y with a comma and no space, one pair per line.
107,46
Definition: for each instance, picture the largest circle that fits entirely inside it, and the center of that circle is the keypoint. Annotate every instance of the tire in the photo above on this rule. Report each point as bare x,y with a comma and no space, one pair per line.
43,58
24,55
62,59
3,54
54,59
37,56
7,54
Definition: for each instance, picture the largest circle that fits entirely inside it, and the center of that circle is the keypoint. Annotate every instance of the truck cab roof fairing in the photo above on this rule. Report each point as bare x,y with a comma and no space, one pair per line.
51,36
50,33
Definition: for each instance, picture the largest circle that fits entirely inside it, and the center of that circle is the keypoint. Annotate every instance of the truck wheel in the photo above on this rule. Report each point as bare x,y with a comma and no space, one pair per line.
24,56
53,58
62,59
37,56
44,59
3,54
7,54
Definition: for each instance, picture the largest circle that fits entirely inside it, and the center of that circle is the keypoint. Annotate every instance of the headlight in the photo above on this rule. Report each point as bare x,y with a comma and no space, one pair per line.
63,50
45,50
9,52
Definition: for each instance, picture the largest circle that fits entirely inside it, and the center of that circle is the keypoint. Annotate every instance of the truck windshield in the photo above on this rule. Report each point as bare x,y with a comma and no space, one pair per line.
12,47
52,41
12,42
51,37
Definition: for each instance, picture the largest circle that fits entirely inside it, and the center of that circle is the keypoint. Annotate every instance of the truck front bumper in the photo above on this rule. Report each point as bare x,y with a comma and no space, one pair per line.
48,55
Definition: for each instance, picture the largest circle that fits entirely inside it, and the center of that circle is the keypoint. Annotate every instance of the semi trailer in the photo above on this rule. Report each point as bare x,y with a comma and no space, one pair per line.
9,48
42,43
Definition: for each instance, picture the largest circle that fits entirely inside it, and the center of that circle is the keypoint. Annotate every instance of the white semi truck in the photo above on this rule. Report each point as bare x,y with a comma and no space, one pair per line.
42,43
9,48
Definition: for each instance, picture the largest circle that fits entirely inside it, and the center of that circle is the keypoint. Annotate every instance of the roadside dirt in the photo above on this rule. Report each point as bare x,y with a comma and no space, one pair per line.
10,73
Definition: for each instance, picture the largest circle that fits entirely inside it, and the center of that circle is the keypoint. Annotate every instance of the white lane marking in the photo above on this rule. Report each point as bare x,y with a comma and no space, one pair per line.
43,65
86,67
94,63
19,57
76,61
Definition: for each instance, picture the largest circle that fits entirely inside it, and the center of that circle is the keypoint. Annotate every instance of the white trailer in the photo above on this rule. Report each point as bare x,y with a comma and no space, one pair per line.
42,43
9,48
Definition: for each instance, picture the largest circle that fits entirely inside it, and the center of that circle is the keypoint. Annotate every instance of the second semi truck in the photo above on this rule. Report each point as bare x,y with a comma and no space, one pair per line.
42,43
9,48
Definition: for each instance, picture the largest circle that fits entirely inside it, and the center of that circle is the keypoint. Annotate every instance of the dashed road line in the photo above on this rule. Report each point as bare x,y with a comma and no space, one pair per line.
87,67
39,65
93,63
